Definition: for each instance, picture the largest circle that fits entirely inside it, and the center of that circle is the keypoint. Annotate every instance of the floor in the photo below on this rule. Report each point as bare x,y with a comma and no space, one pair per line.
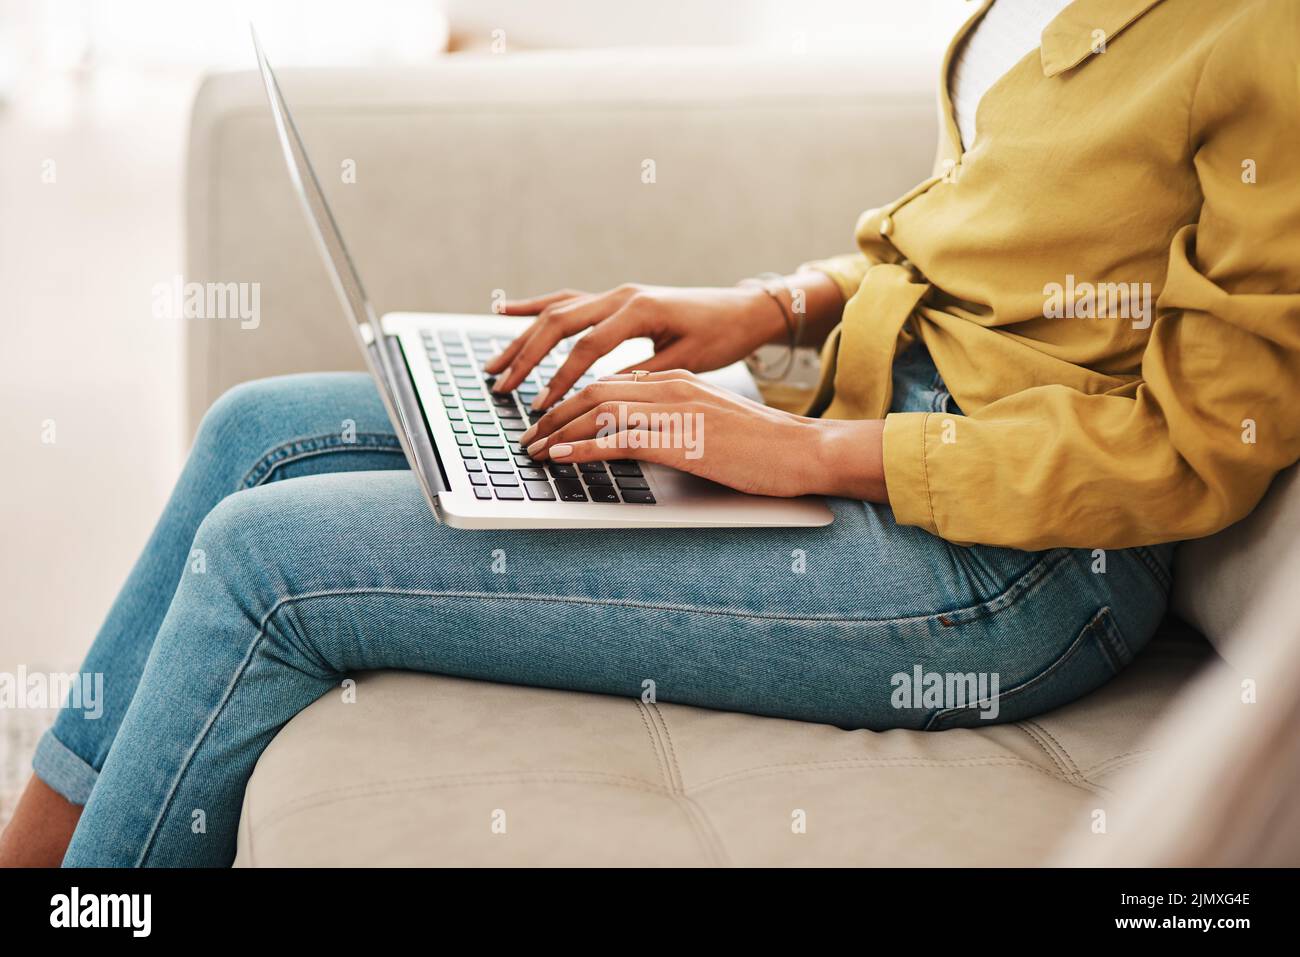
90,382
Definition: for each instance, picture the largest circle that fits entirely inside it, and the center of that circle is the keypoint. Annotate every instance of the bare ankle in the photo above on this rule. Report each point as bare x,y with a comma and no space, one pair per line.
41,828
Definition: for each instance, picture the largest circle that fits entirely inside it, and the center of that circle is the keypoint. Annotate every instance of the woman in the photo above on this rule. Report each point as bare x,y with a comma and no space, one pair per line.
1074,345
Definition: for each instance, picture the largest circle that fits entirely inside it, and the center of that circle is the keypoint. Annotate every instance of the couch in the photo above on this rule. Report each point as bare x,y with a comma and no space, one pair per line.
523,173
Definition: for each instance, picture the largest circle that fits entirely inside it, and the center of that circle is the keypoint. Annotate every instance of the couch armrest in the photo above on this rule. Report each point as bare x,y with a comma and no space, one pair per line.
525,173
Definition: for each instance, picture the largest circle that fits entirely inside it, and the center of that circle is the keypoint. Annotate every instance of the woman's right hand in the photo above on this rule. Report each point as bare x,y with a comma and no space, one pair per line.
697,329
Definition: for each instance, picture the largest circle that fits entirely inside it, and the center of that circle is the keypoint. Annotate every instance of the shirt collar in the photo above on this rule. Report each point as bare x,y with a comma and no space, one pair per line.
1081,28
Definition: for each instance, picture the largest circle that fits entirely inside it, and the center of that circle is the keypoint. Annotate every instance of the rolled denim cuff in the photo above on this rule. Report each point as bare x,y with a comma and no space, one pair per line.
62,770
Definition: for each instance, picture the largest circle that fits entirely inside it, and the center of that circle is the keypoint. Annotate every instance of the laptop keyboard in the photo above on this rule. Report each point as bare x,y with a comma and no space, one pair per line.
487,428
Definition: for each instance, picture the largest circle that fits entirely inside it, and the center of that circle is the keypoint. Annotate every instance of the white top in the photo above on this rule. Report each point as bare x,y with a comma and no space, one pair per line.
1008,31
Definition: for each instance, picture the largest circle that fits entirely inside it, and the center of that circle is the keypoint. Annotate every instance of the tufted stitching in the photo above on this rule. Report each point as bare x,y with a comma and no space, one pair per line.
1102,765
659,759
706,826
704,834
1042,746
1073,768
449,781
863,763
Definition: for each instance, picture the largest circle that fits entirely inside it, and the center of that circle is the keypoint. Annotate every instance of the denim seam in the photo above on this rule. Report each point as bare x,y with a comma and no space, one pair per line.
313,446
1018,589
1069,653
1112,644
1157,572
202,736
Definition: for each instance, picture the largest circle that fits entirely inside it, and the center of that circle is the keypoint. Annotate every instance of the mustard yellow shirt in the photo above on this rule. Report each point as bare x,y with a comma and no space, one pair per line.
1108,281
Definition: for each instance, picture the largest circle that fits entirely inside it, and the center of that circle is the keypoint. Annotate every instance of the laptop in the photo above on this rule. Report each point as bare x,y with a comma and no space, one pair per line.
462,440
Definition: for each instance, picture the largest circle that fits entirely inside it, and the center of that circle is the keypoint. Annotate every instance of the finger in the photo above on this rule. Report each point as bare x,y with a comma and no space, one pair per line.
556,323
589,398
626,323
605,419
638,445
667,372
501,362
531,307
528,307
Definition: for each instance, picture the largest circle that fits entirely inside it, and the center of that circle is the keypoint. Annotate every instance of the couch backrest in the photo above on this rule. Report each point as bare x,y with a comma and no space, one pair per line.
1244,580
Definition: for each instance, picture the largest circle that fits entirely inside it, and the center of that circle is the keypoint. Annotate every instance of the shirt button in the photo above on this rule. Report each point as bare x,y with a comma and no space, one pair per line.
887,226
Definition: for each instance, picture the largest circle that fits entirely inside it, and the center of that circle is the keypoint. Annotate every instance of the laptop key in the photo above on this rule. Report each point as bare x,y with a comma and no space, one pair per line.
624,467
496,455
498,479
456,415
503,468
540,491
601,479
459,426
473,465
530,474
637,497
464,438
563,470
477,417
468,453
486,428
602,493
628,482
510,494
478,478
598,467
490,442
570,490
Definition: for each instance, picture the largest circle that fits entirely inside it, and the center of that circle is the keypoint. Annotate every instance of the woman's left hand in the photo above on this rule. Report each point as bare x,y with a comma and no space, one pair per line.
675,418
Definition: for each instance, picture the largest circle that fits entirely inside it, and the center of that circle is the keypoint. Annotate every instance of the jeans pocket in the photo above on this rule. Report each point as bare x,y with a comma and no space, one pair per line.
1097,653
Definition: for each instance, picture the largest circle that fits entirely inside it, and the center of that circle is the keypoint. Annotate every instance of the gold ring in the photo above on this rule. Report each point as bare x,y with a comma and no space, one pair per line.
638,373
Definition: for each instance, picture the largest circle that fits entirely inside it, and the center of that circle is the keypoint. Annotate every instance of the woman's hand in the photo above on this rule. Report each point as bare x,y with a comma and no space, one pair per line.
677,419
692,328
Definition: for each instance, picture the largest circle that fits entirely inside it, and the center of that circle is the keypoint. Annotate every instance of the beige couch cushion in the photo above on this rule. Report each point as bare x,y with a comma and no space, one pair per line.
414,771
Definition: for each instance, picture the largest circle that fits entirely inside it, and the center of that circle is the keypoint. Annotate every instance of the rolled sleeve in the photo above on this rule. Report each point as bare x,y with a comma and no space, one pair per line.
62,770
905,469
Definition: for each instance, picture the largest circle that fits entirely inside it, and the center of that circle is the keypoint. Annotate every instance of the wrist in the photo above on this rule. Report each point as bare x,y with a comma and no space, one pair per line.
847,456
762,316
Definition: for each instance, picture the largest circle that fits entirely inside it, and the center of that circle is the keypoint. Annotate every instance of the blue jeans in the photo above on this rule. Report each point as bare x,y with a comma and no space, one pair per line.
297,549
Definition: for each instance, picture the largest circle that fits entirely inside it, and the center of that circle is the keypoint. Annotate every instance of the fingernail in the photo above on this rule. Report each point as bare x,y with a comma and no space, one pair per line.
537,447
527,436
539,403
560,451
498,385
